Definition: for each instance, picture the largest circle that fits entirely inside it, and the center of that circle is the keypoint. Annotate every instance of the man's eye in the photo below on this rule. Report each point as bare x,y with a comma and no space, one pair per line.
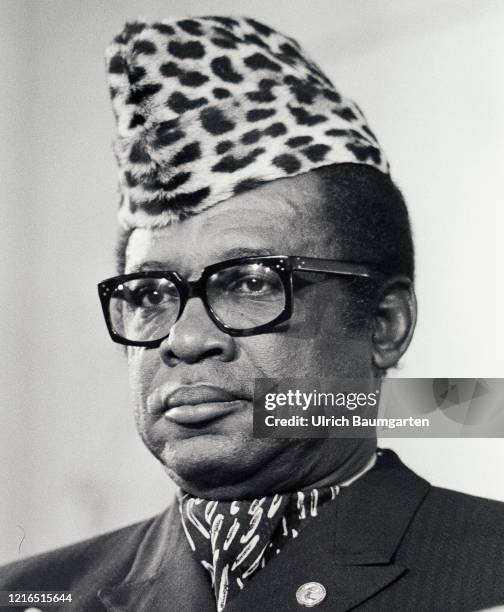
149,297
251,285
153,296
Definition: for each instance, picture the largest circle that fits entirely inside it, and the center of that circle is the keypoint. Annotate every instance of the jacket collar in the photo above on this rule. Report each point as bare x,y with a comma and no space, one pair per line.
350,551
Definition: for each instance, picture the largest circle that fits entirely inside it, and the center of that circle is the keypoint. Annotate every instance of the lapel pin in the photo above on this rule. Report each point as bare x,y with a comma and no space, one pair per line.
311,594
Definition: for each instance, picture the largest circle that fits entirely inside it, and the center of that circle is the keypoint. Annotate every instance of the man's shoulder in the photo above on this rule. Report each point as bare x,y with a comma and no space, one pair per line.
479,515
450,520
106,555
451,544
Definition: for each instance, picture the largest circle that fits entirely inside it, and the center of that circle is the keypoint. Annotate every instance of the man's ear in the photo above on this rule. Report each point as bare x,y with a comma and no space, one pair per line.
394,321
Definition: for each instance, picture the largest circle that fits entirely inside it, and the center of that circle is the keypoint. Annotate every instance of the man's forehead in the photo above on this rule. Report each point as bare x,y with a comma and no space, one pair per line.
282,216
281,200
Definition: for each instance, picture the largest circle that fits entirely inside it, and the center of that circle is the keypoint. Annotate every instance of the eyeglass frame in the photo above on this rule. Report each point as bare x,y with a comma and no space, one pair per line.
285,266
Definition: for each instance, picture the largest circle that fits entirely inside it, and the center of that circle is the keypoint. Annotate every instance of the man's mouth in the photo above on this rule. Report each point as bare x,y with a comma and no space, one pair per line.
199,403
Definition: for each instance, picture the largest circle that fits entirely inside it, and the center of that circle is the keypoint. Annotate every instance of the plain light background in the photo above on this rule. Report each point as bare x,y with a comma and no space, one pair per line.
429,76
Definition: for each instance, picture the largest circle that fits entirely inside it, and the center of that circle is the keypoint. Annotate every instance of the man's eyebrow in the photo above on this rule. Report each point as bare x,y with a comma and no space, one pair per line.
242,251
149,265
231,253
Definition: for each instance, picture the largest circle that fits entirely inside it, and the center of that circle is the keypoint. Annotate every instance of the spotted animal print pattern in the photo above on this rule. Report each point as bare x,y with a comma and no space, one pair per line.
209,107
233,540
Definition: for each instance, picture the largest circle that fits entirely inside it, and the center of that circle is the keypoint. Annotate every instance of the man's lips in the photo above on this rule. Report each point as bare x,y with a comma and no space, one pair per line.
192,404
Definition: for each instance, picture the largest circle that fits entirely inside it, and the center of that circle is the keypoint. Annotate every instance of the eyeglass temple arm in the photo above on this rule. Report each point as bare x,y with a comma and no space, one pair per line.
330,266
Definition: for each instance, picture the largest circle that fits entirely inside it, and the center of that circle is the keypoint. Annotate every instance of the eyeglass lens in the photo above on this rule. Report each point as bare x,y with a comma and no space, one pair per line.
144,309
246,296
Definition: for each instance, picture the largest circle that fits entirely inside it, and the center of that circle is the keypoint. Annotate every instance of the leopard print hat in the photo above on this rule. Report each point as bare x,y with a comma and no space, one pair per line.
209,107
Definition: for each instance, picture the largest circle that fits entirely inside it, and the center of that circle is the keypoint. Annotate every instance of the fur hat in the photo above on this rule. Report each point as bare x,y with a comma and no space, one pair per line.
209,107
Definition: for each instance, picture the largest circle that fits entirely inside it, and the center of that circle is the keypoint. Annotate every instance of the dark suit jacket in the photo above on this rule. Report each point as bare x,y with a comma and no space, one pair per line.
390,542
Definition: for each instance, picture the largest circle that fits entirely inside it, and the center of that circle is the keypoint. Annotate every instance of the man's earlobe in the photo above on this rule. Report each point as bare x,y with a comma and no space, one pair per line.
393,321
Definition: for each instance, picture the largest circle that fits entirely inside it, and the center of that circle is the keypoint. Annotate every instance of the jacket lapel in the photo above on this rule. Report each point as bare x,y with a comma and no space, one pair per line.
349,549
311,558
164,577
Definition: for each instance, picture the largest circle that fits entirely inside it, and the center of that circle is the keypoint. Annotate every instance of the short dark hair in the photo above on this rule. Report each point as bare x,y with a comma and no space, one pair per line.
369,216
370,220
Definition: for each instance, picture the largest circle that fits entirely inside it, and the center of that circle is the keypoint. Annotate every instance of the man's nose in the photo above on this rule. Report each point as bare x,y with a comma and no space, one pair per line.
195,337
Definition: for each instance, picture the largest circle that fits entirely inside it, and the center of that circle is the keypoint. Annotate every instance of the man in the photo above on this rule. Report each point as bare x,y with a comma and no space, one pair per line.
262,237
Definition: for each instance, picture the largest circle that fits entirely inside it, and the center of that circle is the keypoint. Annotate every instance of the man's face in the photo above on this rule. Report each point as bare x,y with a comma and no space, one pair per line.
206,441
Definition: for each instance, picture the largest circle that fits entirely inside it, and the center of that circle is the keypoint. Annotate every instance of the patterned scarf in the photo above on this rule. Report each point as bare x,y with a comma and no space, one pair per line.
232,540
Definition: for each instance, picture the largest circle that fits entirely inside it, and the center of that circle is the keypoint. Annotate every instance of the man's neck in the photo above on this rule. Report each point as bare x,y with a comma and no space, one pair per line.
358,469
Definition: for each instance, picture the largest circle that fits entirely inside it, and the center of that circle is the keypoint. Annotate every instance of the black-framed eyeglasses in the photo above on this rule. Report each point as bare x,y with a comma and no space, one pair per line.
242,296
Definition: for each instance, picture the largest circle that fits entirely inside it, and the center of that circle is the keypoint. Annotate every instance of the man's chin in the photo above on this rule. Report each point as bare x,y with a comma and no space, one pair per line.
215,465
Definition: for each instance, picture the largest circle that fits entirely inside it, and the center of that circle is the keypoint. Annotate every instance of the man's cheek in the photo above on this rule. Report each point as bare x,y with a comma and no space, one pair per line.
313,307
278,355
142,367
